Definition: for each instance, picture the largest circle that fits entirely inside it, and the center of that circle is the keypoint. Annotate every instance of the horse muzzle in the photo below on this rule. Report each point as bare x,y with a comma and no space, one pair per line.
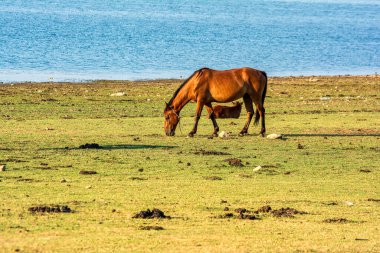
170,132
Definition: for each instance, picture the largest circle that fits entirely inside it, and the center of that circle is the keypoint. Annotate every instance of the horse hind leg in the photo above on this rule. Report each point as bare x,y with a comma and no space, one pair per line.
260,113
249,107
211,114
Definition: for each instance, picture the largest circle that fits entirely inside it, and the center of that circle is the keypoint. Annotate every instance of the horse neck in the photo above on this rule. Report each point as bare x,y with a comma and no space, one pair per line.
180,100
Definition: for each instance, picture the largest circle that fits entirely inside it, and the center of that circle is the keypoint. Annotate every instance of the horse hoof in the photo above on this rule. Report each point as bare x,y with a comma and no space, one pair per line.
190,135
262,134
243,134
214,135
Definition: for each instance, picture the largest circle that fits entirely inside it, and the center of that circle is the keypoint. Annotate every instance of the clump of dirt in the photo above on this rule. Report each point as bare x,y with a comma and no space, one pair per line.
213,178
206,152
375,200
226,215
365,170
87,172
242,214
90,146
300,146
50,209
151,228
241,210
234,162
286,212
264,209
337,220
148,214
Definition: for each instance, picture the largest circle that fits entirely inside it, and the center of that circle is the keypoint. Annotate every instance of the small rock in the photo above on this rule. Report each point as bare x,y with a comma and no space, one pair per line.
325,98
275,136
348,203
118,94
257,169
3,167
63,180
88,187
223,135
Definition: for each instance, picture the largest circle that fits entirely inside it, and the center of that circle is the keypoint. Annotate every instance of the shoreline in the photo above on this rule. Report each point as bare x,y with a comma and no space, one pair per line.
35,76
52,81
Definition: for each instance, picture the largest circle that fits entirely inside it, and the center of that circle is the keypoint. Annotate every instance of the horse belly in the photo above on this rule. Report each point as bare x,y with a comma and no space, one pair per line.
227,95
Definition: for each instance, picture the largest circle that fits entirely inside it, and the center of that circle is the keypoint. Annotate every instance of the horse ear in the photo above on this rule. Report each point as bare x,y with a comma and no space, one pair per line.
167,105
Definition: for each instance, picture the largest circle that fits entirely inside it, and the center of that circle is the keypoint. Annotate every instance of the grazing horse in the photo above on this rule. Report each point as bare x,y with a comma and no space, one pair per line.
205,86
225,112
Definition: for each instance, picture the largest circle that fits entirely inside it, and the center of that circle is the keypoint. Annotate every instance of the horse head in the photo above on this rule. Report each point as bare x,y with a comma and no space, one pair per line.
171,120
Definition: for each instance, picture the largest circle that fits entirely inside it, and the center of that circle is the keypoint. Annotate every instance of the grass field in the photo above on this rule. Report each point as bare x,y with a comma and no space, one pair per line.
328,165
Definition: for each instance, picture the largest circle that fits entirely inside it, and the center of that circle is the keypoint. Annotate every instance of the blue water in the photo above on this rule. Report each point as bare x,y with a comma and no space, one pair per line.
59,40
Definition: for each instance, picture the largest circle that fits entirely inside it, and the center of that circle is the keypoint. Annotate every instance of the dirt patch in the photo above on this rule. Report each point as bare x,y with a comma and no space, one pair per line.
87,172
90,146
50,209
331,203
148,214
137,178
286,212
207,152
151,228
365,171
25,180
234,162
12,160
337,220
374,200
213,178
245,176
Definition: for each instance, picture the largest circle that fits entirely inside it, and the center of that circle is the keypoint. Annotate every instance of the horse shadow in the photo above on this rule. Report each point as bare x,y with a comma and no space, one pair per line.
115,147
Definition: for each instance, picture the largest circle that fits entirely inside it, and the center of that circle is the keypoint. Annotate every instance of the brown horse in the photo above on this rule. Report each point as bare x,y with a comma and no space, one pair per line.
205,86
225,112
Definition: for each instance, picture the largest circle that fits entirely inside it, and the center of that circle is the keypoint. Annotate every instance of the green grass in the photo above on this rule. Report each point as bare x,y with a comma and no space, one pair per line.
42,126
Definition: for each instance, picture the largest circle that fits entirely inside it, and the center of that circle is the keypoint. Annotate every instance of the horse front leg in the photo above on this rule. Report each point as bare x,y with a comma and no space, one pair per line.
249,107
198,113
211,114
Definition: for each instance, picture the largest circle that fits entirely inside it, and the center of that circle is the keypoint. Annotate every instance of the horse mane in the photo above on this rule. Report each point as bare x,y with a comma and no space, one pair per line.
183,84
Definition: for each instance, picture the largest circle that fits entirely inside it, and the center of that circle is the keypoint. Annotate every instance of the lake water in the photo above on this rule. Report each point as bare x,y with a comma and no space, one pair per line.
77,40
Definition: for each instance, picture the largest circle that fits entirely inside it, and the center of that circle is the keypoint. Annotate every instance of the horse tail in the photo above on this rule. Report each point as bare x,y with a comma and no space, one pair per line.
257,115
265,88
